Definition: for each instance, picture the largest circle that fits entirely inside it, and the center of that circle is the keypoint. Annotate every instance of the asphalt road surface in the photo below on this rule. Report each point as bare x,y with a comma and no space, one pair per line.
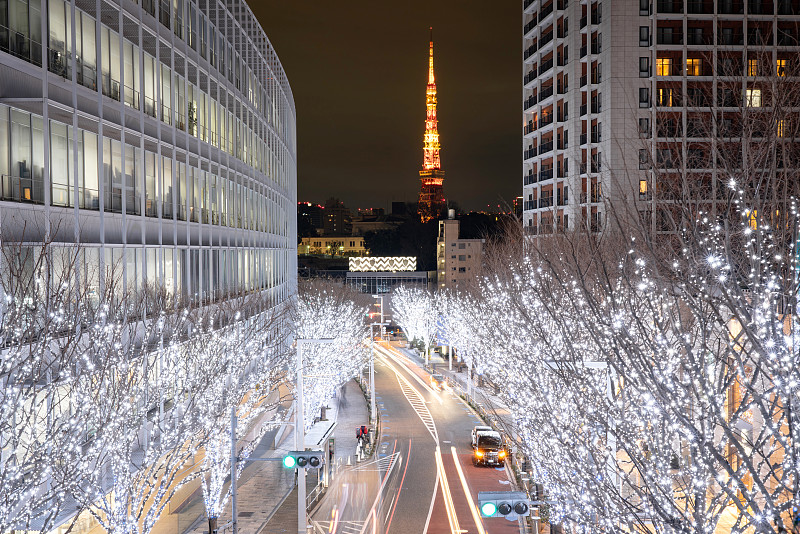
422,479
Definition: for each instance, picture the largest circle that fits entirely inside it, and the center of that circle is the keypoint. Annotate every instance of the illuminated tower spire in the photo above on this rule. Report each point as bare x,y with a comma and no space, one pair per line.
431,196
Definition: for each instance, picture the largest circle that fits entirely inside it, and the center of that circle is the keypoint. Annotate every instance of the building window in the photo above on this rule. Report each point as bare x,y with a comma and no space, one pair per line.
781,67
644,67
753,98
644,97
462,257
462,246
667,97
644,162
644,35
644,8
644,127
462,269
664,66
694,66
782,128
752,67
643,190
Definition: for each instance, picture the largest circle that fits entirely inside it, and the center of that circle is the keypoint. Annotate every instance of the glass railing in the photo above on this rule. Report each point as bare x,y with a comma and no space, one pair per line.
21,189
20,45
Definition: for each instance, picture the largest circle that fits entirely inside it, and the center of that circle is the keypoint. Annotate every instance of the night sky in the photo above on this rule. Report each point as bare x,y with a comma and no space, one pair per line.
358,71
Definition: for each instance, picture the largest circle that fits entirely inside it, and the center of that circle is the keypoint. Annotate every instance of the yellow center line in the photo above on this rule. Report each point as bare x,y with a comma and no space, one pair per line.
448,498
472,507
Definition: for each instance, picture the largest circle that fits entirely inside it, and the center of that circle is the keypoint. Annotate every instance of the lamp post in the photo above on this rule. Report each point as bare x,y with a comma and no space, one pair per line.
300,433
373,414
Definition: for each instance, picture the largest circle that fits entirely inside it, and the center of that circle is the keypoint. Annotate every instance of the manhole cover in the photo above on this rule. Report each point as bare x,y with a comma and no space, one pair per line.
246,514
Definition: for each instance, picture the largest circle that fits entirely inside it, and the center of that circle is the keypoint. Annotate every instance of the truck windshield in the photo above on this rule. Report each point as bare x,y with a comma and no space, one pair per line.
488,442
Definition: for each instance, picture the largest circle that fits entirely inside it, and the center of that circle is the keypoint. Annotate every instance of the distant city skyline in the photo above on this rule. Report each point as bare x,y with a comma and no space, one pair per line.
358,74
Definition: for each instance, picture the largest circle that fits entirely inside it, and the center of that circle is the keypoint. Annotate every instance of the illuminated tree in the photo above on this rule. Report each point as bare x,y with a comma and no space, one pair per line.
652,370
416,313
327,310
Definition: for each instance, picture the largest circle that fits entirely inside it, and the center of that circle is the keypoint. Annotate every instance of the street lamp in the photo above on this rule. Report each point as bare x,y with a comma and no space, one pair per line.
300,432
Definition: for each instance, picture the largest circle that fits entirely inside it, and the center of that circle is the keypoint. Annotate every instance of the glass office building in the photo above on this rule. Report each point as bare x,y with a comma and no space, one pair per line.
158,135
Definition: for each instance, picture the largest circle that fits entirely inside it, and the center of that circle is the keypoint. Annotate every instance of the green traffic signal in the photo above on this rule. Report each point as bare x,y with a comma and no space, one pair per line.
488,509
289,461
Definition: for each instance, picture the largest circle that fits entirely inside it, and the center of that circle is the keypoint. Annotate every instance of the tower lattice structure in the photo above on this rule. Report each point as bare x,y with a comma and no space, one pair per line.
431,194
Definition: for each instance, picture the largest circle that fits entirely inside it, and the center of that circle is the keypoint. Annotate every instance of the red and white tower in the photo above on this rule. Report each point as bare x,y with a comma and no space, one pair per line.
431,194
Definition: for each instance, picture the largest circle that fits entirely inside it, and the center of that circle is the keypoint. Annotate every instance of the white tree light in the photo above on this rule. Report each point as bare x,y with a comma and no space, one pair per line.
416,313
330,311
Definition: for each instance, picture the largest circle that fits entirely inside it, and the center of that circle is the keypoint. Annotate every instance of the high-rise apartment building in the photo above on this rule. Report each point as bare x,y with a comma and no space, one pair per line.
618,94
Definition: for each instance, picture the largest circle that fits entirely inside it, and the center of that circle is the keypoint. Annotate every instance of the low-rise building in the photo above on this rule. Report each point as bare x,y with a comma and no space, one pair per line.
458,261
333,246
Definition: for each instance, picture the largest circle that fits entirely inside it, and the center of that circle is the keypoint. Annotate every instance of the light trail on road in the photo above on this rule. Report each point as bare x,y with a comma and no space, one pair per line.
472,507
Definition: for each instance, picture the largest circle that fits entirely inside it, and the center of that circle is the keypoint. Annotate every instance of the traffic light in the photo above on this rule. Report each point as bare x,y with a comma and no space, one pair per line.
508,504
303,459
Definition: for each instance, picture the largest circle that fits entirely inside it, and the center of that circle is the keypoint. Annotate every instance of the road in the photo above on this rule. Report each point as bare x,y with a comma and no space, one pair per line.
422,479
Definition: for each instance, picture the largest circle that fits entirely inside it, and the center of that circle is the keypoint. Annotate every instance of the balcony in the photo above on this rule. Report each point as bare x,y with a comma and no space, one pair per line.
597,17
526,4
530,178
530,205
562,88
584,139
669,37
584,21
583,109
595,197
546,93
529,26
583,51
545,202
546,120
529,77
584,80
544,148
597,107
545,11
546,38
670,6
528,103
562,116
545,174
730,7
529,128
597,47
544,67
529,51
597,137
530,153
19,189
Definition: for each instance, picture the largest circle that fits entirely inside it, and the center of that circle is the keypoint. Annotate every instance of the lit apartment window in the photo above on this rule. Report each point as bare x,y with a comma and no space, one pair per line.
753,98
752,67
664,66
782,128
642,189
666,97
781,67
694,66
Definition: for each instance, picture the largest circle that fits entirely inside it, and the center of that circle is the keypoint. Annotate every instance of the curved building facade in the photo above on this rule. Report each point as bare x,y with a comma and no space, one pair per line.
159,135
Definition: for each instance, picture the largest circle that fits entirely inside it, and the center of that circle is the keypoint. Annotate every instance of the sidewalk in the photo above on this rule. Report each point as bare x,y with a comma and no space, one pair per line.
350,410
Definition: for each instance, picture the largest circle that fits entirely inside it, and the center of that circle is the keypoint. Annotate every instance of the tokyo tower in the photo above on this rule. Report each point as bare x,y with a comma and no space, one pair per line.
431,195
